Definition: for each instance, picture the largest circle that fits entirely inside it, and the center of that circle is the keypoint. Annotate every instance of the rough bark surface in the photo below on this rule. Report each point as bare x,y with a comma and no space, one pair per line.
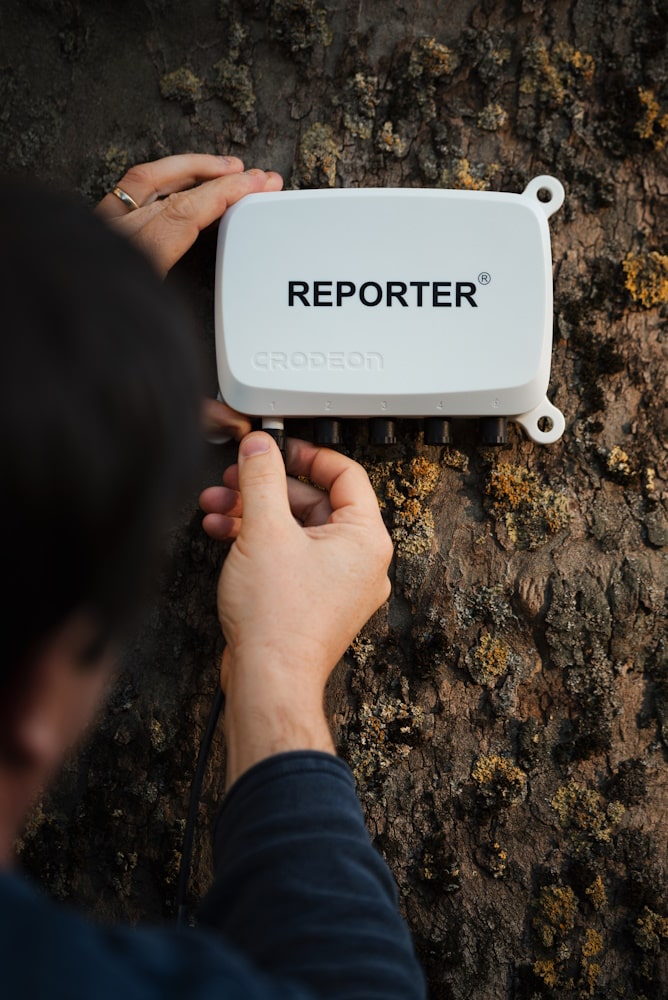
506,714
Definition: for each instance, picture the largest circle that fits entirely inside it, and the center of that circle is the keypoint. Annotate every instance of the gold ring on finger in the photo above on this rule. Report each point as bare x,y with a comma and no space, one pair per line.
125,198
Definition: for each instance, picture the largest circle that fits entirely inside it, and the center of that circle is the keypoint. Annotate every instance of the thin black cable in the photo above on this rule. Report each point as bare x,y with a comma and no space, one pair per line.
278,434
195,790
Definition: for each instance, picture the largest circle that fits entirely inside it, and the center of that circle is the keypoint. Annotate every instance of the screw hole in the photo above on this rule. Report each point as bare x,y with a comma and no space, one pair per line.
544,194
545,424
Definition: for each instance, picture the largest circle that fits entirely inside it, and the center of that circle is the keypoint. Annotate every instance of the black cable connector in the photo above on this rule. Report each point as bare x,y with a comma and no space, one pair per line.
436,430
382,431
274,427
327,431
493,431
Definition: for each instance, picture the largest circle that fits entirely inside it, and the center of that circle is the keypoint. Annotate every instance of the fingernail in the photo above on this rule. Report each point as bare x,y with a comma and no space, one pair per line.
254,170
254,444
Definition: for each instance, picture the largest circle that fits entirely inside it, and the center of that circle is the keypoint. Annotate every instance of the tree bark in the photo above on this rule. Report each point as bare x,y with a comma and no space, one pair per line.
506,713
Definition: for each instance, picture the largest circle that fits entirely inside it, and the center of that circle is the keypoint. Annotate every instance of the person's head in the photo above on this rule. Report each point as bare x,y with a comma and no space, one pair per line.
99,437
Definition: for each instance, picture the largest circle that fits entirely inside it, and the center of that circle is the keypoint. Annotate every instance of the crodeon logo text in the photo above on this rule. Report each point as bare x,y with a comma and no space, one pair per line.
342,361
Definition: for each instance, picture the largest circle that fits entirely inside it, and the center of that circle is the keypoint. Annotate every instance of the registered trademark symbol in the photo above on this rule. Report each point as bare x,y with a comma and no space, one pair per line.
484,278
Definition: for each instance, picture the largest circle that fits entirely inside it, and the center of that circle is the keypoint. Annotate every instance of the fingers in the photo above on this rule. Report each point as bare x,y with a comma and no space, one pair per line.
220,500
220,527
309,505
231,477
342,491
219,418
170,227
131,223
178,197
350,492
148,181
258,490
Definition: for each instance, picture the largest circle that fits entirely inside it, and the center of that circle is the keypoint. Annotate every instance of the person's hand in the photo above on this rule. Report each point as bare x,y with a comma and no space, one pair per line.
221,423
178,197
307,568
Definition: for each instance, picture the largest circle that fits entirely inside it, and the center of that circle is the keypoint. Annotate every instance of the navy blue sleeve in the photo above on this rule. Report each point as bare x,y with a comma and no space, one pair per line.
301,908
300,889
50,952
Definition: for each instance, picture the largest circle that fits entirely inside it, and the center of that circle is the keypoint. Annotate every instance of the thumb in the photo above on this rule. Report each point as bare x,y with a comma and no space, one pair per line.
262,480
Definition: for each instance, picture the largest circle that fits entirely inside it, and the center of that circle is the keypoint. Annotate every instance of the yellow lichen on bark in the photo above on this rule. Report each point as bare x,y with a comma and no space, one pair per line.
387,141
652,125
490,659
492,117
403,487
581,812
318,156
430,58
593,943
597,894
647,278
499,781
530,510
650,928
181,85
556,911
463,177
556,74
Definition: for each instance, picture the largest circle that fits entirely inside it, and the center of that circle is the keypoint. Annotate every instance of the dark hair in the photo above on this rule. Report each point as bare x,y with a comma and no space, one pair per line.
99,417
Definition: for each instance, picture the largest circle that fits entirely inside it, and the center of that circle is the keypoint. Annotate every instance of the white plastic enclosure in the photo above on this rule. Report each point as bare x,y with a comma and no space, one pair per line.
389,302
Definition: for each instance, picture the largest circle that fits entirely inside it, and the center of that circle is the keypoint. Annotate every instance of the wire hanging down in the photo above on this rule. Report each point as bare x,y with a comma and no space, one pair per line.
195,791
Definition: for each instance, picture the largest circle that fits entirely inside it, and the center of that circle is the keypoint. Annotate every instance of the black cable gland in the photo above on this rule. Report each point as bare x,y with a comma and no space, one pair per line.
327,431
278,435
381,431
493,431
436,431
